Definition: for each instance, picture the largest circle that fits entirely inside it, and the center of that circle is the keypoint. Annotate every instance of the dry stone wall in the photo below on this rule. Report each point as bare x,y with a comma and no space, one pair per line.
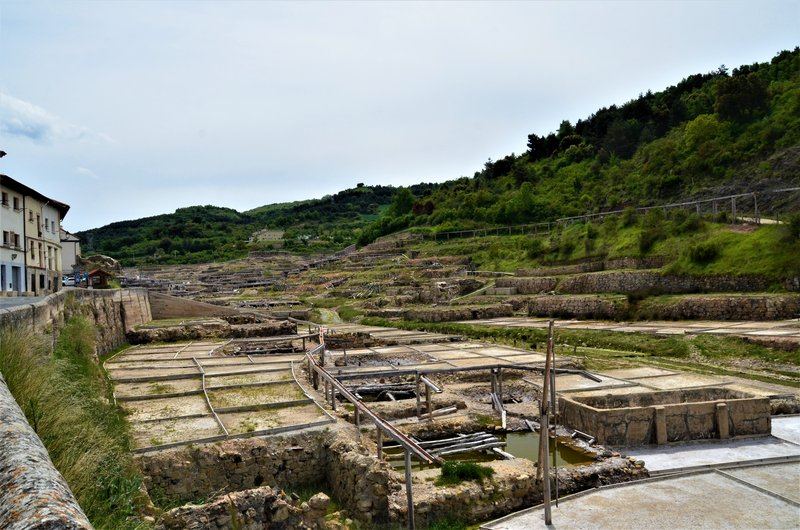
631,282
253,509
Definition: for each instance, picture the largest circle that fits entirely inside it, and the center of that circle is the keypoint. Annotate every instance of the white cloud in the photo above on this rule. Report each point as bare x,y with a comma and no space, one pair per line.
23,119
86,172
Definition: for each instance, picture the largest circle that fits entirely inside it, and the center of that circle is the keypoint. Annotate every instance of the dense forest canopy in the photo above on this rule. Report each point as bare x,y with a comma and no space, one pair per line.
723,131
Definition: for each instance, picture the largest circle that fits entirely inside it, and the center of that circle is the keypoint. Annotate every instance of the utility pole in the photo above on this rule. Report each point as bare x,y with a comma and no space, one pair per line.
544,425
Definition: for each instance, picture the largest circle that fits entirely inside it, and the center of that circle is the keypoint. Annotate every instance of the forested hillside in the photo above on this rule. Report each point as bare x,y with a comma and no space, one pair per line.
710,134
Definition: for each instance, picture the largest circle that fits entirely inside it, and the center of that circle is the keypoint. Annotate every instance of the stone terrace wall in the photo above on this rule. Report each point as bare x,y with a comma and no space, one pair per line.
721,307
33,494
630,282
579,306
688,307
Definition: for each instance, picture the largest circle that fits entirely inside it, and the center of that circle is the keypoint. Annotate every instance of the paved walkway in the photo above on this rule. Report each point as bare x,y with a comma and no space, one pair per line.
7,302
737,490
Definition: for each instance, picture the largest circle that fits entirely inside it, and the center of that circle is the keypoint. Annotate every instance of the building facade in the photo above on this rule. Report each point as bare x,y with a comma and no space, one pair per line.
70,252
30,255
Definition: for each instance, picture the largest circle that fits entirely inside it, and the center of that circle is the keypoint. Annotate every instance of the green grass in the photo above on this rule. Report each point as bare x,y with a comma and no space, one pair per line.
63,398
457,472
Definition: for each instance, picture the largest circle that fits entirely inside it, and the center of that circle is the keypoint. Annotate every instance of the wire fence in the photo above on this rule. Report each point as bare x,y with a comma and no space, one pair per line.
751,207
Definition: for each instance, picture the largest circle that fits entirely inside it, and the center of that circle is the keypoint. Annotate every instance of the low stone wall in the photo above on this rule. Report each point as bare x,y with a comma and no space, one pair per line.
254,509
473,502
315,458
218,330
652,262
33,494
668,416
458,313
578,306
532,285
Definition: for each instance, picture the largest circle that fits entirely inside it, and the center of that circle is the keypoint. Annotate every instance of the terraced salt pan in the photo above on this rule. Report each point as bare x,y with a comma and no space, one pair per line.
152,388
248,378
256,395
174,430
150,409
243,422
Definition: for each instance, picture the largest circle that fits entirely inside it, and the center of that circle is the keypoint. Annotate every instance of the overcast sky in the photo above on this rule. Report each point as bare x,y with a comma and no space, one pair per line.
130,109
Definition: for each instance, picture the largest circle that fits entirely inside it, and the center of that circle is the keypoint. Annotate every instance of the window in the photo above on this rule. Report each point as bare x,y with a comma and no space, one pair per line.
16,204
30,216
5,238
4,199
16,240
33,254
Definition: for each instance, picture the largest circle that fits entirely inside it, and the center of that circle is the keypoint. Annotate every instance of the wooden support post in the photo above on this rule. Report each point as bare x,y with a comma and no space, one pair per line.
409,494
326,390
428,401
500,384
419,406
544,451
380,443
357,416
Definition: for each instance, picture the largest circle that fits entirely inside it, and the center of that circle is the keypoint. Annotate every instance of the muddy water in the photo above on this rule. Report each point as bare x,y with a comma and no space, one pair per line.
519,444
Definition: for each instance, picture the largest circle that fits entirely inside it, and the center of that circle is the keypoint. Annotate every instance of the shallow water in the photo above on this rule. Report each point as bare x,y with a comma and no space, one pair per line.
519,444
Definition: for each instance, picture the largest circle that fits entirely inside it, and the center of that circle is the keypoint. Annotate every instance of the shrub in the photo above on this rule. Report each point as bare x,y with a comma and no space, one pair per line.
703,253
649,237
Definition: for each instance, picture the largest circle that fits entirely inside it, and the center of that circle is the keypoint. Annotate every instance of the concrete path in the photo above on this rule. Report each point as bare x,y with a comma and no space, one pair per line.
747,483
709,499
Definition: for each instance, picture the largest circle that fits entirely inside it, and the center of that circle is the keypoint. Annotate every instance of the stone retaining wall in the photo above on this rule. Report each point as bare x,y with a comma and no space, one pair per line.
253,509
315,458
33,494
630,282
687,307
579,306
653,262
112,311
721,307
458,313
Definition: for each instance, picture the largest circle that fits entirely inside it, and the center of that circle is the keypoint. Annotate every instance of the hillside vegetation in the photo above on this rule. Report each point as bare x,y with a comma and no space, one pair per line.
710,134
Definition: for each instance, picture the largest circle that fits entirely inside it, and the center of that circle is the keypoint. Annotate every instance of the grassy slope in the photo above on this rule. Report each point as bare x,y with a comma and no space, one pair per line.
64,399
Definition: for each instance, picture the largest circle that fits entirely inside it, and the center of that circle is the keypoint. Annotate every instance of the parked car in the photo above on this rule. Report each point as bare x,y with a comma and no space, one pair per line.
68,281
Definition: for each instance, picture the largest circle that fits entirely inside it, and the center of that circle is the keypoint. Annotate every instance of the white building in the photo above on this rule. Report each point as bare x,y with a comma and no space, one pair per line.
70,252
30,254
